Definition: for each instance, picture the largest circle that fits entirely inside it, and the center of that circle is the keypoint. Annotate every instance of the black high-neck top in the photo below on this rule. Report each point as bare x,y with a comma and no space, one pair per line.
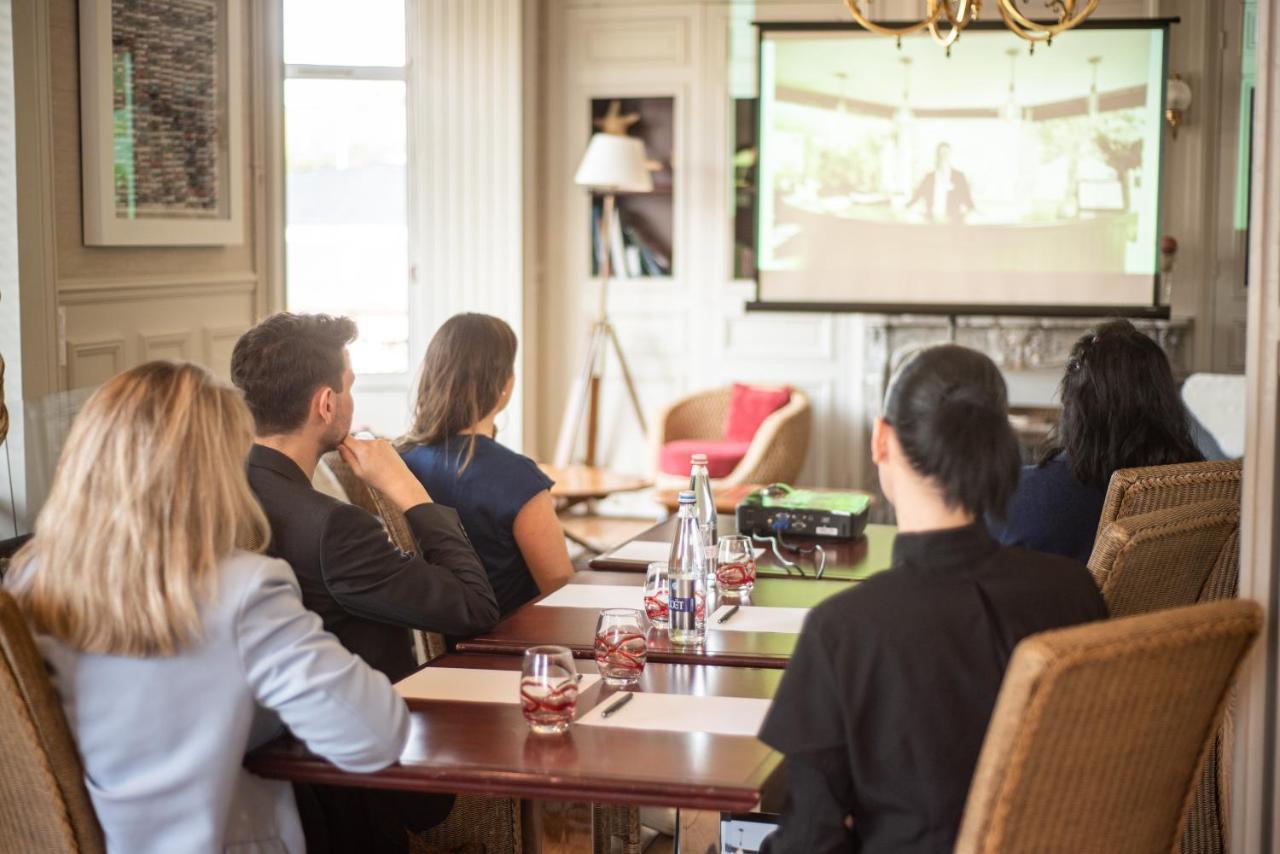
885,703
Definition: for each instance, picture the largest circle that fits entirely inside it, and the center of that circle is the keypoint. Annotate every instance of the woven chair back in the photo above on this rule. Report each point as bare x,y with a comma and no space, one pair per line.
1144,490
43,802
700,416
372,501
1167,558
1100,730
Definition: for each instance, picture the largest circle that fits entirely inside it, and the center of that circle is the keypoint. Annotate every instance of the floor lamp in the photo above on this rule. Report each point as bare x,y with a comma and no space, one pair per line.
612,164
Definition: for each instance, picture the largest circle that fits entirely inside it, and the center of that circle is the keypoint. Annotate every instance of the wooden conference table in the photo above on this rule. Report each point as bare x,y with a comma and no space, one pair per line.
487,748
574,627
846,561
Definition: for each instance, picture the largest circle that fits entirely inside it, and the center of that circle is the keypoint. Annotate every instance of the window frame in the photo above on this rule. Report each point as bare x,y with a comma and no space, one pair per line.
388,382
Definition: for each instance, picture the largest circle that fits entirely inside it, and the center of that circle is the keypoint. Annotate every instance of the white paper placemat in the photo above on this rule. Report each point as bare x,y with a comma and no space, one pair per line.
647,551
469,686
596,596
682,713
640,551
754,618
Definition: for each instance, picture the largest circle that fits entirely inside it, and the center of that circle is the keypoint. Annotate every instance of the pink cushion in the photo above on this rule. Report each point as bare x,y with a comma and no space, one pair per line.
722,456
749,406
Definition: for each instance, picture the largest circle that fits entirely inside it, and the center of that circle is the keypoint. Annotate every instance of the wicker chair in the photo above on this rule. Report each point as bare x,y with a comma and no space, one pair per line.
1142,490
777,450
476,824
1167,559
1100,730
43,802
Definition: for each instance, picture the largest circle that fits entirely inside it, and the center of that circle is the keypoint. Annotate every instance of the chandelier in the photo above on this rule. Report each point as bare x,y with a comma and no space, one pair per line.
946,19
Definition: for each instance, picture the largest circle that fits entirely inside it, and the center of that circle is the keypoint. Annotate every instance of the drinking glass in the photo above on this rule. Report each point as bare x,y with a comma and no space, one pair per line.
620,646
736,564
548,688
657,590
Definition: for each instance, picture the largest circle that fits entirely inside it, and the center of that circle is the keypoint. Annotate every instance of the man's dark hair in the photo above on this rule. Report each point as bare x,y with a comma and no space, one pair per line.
280,363
1120,407
949,408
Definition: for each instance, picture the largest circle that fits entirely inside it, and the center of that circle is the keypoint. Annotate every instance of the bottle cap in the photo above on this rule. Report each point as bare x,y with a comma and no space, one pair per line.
687,496
699,459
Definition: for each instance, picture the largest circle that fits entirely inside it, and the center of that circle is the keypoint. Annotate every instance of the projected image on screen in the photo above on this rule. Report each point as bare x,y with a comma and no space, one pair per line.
993,177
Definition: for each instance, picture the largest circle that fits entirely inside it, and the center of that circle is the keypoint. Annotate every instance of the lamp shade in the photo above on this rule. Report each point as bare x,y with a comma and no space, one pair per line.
614,163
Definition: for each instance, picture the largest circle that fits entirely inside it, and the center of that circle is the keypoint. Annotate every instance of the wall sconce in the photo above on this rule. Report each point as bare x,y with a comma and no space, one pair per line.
1168,249
1176,101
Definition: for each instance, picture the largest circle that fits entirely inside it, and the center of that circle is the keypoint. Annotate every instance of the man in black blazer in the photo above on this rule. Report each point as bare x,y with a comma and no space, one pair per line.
296,376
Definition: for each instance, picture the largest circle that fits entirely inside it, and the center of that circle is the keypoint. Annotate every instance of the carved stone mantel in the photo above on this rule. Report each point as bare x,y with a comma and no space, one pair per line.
1013,343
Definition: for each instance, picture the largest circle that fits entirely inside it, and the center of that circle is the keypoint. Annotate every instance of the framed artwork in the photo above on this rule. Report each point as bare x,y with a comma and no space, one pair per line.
160,122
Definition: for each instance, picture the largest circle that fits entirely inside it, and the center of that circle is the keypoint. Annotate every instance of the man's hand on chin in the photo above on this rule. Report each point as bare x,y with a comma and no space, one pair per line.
376,462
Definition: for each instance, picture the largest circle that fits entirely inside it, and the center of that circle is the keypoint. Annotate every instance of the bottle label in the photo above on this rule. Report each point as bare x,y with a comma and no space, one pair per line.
682,606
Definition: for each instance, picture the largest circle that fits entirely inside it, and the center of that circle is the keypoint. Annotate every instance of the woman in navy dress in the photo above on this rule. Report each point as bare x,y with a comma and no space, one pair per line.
1120,409
502,497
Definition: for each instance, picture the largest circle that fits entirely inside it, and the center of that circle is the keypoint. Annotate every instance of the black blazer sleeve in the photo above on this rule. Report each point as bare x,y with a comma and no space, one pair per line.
446,590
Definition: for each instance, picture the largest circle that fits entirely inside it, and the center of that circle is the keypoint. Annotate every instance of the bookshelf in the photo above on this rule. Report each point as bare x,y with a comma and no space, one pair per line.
641,243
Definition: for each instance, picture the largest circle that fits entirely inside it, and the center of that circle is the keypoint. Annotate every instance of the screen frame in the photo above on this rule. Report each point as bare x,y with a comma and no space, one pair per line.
1155,311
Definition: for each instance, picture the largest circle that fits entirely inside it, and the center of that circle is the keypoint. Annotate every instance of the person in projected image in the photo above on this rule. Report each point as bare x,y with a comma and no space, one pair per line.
944,191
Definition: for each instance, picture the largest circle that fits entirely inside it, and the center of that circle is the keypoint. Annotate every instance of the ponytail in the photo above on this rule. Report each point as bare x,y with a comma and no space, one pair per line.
949,408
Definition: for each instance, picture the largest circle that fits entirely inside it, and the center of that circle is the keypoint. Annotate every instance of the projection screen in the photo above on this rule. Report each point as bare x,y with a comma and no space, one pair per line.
994,180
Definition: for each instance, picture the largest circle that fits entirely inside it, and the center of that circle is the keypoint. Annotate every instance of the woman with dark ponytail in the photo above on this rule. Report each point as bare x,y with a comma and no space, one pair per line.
1120,409
884,706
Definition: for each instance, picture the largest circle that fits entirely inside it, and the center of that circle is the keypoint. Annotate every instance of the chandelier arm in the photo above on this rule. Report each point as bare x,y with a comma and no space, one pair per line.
1009,11
1032,36
957,21
944,40
962,17
936,8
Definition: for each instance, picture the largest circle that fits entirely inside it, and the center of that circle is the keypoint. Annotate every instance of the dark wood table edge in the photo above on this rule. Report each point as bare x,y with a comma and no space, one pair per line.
715,659
501,783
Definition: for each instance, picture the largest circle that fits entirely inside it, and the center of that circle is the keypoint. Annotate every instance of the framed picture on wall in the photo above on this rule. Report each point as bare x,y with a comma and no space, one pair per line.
160,122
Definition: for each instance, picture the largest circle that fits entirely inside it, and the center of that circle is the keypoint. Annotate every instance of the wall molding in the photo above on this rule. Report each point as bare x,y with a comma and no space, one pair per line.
79,352
80,291
154,346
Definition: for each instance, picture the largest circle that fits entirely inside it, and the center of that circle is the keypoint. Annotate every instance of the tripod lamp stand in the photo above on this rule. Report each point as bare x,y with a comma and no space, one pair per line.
613,163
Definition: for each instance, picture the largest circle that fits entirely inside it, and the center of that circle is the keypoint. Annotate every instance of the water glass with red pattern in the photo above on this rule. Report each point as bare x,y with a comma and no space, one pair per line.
657,590
736,564
621,647
548,688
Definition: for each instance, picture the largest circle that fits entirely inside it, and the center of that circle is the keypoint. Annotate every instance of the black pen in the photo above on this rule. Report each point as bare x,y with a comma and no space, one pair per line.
621,701
727,614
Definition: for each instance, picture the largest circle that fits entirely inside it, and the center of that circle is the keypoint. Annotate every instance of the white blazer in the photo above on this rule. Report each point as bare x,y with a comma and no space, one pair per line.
163,739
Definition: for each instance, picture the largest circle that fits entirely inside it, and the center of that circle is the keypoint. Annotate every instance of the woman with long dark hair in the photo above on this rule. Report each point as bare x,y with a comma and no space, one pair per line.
502,497
1120,409
883,707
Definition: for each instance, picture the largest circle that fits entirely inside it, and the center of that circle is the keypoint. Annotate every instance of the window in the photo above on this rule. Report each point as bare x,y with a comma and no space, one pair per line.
346,158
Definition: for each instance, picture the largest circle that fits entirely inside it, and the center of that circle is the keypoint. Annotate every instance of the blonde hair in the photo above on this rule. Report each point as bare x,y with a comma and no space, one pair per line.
149,496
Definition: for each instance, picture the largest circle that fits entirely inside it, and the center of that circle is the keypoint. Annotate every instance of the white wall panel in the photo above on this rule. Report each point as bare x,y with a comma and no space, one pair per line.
469,138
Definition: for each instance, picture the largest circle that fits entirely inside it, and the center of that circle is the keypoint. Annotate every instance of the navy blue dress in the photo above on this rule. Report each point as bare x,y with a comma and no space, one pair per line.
487,495
1052,512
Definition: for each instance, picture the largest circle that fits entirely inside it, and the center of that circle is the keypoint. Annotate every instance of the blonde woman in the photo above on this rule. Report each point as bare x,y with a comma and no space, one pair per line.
174,645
